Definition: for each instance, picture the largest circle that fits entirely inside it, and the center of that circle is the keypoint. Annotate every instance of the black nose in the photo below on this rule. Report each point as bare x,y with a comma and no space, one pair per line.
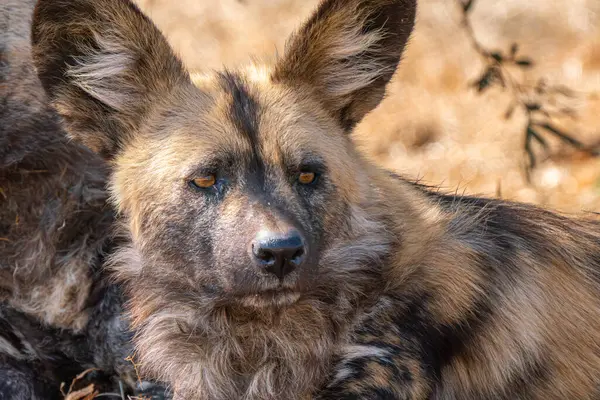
279,253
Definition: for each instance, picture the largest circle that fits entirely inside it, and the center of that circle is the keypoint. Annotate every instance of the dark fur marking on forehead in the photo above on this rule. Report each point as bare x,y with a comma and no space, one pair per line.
244,109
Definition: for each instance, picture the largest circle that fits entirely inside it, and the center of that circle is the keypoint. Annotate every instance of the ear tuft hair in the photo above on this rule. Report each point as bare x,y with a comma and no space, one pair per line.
347,52
103,64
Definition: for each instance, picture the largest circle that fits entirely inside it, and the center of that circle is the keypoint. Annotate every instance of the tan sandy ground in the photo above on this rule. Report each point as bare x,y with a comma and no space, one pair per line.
432,126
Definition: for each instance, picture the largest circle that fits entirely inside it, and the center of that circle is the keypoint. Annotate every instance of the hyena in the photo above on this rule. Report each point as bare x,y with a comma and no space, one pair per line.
59,313
268,259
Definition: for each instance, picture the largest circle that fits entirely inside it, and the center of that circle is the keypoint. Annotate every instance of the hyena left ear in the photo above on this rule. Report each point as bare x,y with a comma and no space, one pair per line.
347,53
104,65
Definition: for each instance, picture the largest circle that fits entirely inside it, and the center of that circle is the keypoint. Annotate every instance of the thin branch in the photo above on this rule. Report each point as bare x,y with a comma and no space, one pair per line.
531,99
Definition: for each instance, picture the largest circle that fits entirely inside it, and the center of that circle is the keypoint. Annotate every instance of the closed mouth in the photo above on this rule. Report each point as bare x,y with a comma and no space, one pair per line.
270,298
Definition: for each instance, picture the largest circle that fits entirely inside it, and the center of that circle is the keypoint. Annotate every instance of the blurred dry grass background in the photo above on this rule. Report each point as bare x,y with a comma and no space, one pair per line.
433,126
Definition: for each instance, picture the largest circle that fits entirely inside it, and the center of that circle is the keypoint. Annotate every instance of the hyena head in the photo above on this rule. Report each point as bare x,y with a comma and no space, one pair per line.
245,200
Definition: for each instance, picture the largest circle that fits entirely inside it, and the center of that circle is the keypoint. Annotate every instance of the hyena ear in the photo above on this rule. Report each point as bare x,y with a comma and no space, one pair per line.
347,52
104,65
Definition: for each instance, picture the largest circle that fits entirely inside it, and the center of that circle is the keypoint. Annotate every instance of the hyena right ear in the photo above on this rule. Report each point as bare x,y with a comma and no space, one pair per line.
104,65
347,52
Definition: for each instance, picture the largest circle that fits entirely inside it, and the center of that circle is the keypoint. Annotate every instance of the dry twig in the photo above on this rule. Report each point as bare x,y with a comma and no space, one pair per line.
533,100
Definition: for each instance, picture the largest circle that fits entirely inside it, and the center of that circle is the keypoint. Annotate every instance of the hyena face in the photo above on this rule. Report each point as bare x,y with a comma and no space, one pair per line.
241,190
239,181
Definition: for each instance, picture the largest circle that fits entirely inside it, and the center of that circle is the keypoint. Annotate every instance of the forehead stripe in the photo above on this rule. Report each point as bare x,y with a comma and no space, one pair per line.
244,109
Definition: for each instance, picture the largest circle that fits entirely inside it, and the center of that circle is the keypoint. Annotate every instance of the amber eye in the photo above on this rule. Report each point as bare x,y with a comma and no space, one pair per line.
205,182
306,178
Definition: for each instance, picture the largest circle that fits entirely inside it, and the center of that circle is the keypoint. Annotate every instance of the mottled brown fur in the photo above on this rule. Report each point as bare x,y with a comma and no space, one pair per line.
59,314
53,214
404,294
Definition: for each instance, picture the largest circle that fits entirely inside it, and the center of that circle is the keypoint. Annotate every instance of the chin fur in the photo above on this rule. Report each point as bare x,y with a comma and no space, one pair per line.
258,348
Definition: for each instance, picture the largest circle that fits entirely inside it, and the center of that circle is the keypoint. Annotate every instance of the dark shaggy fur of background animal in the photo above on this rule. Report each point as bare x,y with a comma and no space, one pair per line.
59,314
